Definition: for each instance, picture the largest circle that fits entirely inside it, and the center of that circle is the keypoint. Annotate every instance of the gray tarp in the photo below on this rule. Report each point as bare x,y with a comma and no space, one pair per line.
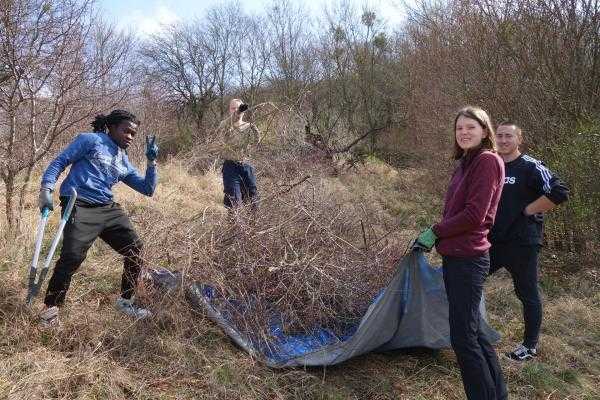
412,311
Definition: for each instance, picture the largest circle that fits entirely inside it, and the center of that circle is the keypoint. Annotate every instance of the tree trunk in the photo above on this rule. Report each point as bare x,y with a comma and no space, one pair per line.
11,219
199,117
22,194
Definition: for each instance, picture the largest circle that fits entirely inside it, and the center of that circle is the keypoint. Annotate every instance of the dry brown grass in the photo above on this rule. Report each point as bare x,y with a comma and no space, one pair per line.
99,354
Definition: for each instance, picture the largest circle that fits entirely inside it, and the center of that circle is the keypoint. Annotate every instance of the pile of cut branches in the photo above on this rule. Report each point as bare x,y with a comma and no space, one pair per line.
302,257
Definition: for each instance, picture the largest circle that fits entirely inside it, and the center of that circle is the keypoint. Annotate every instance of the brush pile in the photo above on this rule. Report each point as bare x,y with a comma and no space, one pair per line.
309,253
301,256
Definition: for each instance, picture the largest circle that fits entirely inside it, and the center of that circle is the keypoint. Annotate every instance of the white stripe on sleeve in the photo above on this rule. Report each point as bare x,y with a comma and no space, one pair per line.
544,172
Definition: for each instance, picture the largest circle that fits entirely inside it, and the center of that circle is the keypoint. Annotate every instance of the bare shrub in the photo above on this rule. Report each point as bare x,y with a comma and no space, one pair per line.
60,66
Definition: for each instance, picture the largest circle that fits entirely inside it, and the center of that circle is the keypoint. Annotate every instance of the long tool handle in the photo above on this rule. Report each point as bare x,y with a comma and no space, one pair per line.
39,236
61,228
35,285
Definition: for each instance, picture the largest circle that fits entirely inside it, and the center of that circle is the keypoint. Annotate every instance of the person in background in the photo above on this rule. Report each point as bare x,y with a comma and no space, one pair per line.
237,137
461,238
98,161
530,189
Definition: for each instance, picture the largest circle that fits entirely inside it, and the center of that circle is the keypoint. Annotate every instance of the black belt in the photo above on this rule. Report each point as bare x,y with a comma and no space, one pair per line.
82,203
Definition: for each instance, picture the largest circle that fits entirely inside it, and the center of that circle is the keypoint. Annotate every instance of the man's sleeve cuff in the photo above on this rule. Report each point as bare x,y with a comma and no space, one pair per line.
557,198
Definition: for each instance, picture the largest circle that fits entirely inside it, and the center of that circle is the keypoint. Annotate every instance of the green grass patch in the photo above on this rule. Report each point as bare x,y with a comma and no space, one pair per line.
542,377
331,394
569,376
224,375
102,284
551,286
5,266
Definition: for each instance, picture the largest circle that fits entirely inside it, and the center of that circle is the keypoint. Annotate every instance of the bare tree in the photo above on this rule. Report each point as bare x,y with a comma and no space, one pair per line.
60,66
178,60
354,91
195,63
289,30
224,31
252,59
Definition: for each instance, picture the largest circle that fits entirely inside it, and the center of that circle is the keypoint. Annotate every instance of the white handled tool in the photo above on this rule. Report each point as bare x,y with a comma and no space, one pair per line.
35,285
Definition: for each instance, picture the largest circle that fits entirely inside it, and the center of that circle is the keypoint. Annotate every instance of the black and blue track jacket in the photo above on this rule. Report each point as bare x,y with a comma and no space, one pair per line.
526,179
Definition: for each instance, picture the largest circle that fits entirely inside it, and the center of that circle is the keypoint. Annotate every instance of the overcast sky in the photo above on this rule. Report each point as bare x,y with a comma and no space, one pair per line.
146,16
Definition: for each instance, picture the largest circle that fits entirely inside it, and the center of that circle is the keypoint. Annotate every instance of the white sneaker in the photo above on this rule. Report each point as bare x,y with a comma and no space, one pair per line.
128,307
522,353
49,317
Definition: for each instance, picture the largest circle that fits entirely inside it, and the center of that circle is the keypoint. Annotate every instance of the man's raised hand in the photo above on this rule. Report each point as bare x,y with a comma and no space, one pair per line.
151,148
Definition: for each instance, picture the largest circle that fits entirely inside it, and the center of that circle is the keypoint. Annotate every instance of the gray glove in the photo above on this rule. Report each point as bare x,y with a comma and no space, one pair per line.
45,199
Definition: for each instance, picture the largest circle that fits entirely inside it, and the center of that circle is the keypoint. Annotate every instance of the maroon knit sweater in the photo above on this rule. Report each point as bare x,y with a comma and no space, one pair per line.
470,205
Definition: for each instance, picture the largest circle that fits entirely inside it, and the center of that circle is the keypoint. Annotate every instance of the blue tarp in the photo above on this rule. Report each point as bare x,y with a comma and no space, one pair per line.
412,311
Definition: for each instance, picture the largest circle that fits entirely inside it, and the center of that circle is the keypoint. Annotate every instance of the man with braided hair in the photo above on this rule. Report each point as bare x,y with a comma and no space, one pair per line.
98,161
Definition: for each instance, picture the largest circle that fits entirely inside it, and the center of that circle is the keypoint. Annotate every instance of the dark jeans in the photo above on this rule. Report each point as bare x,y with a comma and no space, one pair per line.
88,222
481,374
522,263
239,184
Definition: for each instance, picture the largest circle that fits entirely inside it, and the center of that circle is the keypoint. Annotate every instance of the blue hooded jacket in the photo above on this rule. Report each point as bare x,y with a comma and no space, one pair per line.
98,163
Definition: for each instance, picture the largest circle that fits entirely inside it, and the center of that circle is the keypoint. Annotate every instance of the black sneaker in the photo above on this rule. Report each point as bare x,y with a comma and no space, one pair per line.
522,353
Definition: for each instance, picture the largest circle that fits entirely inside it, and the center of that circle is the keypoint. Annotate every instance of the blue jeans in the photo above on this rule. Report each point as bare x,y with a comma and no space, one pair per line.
239,184
522,263
481,374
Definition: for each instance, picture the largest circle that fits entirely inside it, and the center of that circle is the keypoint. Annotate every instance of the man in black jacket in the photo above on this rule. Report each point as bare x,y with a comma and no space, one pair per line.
530,189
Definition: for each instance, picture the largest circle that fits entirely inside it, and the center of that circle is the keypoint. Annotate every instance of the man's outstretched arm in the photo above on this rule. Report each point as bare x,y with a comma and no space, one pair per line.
142,184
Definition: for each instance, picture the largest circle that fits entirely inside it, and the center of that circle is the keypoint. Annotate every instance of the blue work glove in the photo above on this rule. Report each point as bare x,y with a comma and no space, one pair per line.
45,199
151,148
426,239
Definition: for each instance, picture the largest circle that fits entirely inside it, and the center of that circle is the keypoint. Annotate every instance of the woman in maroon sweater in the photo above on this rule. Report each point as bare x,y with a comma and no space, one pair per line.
461,236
